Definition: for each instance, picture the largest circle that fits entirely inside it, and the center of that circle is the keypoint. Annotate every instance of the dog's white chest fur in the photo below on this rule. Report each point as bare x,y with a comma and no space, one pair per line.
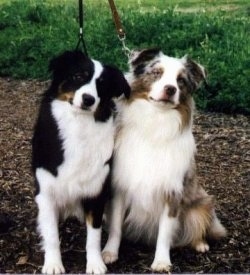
87,146
152,156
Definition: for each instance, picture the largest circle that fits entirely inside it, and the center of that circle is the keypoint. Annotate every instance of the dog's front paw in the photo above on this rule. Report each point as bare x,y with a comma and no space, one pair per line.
109,257
161,266
55,267
96,267
202,247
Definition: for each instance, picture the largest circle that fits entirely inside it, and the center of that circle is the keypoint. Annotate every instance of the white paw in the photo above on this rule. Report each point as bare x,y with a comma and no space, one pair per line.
109,257
161,266
202,247
53,268
96,267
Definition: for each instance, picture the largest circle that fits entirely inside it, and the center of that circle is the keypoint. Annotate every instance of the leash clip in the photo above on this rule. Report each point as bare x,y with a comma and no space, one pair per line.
125,49
119,28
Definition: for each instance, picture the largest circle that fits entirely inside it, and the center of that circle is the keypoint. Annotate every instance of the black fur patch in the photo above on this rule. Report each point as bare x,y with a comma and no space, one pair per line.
111,83
140,62
140,69
94,207
70,71
145,56
46,144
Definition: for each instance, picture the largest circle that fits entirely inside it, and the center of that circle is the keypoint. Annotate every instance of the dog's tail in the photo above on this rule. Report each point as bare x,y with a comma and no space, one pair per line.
198,221
216,230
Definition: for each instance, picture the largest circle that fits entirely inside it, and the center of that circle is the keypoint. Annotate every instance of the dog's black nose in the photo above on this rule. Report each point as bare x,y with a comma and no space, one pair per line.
87,100
170,90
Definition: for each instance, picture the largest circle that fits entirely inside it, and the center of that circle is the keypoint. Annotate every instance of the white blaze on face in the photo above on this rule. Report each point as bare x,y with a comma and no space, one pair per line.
171,69
89,88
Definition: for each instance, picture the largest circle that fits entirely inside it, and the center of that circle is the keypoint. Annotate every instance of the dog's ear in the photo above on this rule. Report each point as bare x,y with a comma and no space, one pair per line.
139,57
138,60
58,62
117,85
197,72
64,60
53,64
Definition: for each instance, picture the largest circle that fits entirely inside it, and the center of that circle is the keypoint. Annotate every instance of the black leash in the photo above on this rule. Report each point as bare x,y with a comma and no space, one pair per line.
81,40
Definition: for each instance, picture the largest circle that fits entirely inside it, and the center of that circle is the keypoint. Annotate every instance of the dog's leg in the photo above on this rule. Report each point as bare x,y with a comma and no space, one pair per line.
117,212
167,228
48,217
95,263
94,212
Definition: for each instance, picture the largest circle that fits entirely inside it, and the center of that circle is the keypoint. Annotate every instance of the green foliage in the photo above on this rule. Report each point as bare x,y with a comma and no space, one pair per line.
33,31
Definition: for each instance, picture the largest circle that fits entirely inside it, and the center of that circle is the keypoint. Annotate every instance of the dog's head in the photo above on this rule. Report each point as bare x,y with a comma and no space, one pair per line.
85,83
164,80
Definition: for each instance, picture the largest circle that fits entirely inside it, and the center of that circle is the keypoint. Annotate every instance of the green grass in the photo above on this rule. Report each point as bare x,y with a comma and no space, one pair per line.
215,33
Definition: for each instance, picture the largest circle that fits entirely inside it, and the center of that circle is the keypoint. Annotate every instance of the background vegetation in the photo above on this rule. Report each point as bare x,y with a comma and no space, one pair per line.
215,33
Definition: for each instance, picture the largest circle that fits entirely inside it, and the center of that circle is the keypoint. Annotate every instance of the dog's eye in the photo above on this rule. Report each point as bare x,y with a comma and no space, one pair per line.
156,73
80,76
181,81
77,77
86,74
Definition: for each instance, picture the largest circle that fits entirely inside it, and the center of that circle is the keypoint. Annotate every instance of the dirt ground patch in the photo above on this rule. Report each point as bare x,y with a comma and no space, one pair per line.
223,160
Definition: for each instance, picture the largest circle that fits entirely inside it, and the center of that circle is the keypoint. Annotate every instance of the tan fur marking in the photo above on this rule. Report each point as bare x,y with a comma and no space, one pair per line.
195,220
66,96
89,218
142,84
201,217
185,112
137,95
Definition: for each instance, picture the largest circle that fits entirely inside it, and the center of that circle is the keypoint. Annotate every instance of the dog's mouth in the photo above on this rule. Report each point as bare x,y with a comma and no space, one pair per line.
85,108
162,100
80,108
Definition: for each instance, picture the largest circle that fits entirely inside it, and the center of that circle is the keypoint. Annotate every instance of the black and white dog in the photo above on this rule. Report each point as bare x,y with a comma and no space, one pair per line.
157,197
72,147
